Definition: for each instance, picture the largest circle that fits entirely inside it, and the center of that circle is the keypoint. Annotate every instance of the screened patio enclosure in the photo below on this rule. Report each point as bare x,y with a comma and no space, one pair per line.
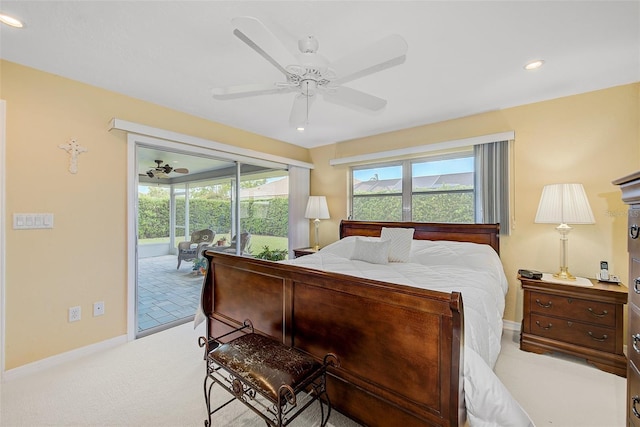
171,206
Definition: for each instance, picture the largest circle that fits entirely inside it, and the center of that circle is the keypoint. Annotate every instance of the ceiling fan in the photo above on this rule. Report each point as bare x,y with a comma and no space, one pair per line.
160,171
308,73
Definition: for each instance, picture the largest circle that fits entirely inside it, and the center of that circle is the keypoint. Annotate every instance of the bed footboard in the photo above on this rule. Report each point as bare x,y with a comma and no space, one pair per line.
400,348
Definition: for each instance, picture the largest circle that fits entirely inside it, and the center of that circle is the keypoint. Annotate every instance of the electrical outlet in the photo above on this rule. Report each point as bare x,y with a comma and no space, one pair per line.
98,308
75,313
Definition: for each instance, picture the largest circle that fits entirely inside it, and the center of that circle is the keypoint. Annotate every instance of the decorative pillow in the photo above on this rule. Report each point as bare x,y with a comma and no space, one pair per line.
373,252
400,238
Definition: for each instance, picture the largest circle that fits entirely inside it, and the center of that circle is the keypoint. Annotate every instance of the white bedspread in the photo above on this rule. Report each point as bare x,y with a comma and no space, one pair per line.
475,271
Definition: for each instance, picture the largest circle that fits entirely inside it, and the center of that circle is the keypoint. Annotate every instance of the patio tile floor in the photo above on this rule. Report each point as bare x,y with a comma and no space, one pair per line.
166,294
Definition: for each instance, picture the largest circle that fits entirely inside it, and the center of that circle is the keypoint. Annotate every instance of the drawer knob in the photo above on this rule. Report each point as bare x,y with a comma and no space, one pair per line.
604,337
635,399
636,338
634,231
550,304
546,328
636,285
604,313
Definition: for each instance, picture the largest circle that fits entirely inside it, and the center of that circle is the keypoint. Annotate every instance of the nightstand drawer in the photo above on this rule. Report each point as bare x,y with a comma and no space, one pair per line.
596,312
586,335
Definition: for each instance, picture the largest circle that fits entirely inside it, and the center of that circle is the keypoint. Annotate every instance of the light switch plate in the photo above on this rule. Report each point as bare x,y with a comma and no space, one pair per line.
24,221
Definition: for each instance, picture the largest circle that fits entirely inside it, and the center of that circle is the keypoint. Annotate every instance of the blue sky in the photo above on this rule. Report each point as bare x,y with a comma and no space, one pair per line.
439,167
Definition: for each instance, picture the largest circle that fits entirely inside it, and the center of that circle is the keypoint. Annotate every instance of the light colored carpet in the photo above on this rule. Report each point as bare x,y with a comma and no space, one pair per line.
561,391
153,381
158,381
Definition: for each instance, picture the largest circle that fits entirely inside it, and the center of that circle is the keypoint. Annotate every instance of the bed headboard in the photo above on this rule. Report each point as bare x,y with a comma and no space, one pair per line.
488,234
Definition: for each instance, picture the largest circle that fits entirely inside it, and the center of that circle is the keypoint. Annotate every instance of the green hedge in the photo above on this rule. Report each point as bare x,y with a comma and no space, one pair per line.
268,218
437,207
271,218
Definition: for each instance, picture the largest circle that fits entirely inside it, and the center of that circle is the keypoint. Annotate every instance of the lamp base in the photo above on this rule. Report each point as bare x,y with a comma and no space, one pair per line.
564,274
316,223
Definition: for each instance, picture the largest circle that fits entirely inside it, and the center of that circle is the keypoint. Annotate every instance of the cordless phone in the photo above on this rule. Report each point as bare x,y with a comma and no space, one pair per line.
604,270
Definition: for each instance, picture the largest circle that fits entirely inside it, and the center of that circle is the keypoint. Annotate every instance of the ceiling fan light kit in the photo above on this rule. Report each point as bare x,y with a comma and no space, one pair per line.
308,73
160,171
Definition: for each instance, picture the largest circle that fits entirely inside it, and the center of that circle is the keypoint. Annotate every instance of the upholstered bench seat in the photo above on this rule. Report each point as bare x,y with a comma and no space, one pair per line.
265,363
274,380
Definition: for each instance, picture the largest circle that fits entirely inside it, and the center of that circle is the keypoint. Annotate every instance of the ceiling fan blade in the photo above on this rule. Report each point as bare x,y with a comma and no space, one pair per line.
354,98
242,91
181,170
385,53
300,110
255,34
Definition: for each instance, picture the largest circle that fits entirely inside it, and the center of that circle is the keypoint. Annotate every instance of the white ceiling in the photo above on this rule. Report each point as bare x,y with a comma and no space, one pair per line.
463,58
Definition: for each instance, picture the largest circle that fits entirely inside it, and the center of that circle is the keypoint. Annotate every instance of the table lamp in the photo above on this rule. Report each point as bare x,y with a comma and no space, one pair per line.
317,209
564,204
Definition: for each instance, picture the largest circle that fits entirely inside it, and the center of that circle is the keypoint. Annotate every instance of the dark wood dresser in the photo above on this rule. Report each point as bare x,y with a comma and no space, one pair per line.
630,186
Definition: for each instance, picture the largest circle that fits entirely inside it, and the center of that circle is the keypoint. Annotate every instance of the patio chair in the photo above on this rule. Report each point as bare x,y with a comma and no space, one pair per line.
245,238
192,249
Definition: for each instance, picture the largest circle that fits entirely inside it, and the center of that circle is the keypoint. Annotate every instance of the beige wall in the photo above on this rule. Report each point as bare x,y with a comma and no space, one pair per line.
83,258
591,138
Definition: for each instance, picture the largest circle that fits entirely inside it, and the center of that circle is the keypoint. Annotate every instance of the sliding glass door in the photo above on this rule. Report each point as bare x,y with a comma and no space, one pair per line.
201,207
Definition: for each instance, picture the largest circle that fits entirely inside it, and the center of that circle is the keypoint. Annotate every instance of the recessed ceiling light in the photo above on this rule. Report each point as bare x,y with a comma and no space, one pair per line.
300,129
534,64
11,21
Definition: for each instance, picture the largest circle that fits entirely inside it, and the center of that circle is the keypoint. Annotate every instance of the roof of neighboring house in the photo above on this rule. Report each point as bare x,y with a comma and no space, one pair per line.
278,188
420,182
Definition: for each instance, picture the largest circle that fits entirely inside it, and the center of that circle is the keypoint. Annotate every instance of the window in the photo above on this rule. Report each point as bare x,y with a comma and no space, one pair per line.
377,193
443,190
464,187
436,189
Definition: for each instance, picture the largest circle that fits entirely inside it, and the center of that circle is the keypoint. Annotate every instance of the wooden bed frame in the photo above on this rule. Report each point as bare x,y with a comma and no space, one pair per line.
400,348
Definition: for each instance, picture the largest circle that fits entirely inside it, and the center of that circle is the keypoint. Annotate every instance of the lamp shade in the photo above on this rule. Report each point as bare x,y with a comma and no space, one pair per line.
317,208
564,204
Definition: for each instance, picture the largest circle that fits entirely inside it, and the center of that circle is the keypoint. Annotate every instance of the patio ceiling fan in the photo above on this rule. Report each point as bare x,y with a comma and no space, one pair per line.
307,73
160,171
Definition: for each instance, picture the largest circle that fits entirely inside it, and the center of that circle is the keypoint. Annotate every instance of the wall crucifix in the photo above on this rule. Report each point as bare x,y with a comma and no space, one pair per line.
74,149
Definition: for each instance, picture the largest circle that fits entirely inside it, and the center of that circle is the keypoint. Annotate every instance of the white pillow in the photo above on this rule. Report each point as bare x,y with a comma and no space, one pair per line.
400,238
373,252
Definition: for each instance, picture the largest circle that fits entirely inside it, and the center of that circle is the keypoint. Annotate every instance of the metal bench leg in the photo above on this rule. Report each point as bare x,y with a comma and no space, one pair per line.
207,400
323,391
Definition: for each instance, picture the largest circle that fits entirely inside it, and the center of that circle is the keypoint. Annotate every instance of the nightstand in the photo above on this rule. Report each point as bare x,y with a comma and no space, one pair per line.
297,253
583,321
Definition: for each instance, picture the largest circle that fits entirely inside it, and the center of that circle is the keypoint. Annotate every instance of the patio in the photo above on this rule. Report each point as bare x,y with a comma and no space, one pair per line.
166,295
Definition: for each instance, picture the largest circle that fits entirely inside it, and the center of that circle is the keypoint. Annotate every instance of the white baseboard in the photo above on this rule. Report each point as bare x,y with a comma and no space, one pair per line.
510,325
41,365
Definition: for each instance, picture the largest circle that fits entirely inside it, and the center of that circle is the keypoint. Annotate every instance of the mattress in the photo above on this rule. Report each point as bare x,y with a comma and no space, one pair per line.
476,272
